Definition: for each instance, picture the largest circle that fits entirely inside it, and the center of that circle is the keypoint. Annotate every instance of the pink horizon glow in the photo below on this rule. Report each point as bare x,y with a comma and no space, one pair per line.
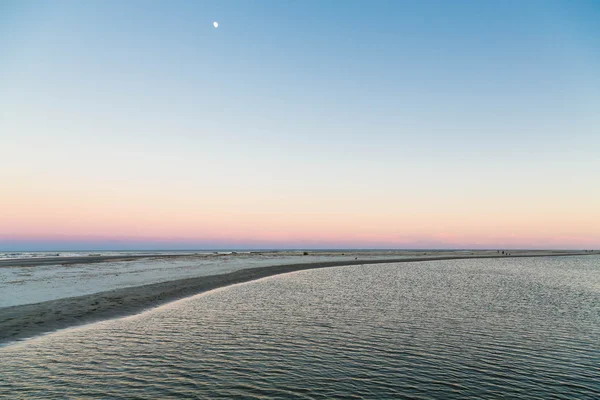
67,219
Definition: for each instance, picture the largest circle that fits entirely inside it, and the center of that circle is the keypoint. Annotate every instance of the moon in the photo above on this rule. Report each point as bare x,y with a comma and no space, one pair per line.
216,24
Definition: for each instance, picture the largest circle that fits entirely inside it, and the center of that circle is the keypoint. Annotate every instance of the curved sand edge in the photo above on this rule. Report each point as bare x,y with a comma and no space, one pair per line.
26,321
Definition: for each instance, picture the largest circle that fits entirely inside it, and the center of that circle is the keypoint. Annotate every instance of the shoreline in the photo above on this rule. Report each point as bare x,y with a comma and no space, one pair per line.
29,320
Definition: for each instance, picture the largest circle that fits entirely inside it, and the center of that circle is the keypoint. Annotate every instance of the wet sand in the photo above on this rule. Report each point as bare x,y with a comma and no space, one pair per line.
31,262
24,321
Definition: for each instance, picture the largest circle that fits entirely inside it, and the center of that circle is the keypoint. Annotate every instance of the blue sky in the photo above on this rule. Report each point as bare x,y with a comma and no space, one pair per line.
407,117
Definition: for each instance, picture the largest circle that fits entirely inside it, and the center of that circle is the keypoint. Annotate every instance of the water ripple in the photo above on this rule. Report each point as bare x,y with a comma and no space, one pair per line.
518,328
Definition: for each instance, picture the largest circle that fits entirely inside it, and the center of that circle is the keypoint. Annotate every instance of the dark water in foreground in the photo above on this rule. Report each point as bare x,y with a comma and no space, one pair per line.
511,328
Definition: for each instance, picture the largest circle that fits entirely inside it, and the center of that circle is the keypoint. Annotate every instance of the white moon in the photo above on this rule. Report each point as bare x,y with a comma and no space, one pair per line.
216,24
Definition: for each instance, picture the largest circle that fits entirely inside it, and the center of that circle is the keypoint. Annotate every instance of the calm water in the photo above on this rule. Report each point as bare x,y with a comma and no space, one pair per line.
526,328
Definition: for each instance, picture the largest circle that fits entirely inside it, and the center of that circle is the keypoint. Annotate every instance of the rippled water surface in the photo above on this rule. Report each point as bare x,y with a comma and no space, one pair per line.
526,328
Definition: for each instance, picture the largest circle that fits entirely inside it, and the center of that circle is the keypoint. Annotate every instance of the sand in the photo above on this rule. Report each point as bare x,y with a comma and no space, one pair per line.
28,320
28,282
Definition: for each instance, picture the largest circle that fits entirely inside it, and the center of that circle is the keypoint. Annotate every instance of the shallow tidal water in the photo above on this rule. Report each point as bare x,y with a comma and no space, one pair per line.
496,328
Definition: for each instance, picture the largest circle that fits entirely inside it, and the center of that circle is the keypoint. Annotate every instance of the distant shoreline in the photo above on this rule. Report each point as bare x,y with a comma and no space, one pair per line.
98,258
29,320
35,261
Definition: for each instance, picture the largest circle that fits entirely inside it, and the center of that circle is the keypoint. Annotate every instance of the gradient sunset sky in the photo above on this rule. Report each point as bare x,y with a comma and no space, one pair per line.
299,124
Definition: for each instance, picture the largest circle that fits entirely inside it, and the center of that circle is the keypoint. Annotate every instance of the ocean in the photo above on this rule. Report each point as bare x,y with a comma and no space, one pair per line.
9,255
477,328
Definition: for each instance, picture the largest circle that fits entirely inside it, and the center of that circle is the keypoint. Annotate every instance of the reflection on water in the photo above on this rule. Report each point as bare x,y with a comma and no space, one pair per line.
527,328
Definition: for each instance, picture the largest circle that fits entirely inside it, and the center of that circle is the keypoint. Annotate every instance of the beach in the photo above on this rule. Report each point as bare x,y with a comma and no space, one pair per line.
27,320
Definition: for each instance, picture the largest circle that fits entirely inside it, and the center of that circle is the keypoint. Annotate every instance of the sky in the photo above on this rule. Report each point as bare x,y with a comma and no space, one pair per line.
299,124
